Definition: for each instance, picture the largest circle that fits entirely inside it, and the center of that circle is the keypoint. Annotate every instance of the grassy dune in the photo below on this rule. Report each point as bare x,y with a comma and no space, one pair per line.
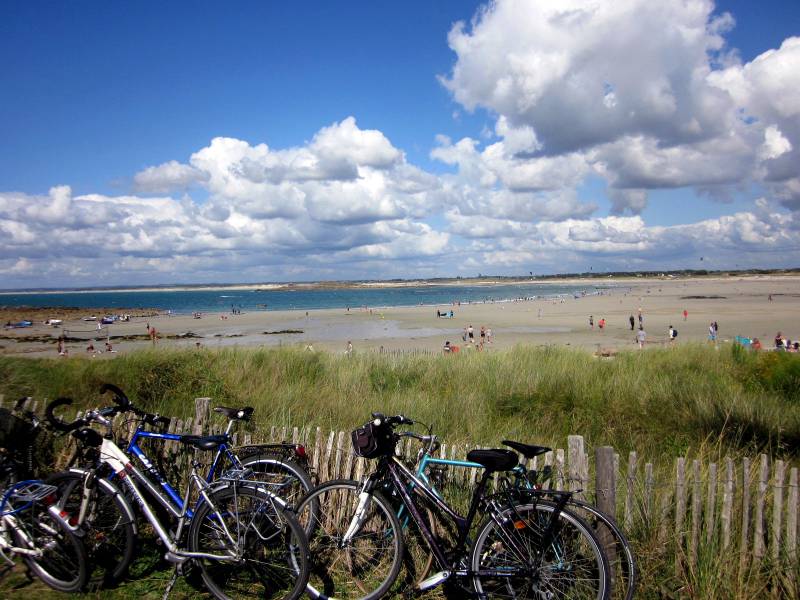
689,400
658,402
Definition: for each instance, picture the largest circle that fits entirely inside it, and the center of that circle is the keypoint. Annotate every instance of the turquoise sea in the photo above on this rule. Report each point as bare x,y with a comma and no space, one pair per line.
249,300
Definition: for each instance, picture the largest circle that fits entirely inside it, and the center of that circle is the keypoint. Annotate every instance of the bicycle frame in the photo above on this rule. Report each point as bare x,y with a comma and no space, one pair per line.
170,498
406,482
129,475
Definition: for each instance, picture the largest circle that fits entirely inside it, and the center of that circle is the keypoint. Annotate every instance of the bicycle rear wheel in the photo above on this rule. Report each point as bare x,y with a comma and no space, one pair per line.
270,546
512,561
62,562
369,564
282,477
619,553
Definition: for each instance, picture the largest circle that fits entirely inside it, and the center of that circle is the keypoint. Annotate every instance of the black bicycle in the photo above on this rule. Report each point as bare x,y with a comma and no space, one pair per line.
525,547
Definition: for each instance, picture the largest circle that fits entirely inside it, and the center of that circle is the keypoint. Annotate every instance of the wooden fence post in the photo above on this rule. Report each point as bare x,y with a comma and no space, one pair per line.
758,532
575,456
630,482
558,468
605,495
791,520
202,411
727,503
649,484
697,500
777,508
743,547
711,503
680,510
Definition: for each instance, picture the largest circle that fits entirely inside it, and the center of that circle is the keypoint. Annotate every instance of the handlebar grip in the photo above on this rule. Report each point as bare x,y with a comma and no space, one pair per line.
119,396
57,423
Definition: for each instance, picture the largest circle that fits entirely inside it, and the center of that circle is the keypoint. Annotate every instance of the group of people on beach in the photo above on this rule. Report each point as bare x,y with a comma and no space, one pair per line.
468,337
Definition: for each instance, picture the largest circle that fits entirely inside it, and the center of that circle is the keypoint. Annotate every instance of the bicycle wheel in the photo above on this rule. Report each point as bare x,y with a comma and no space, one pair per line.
282,476
270,547
109,525
511,562
620,555
369,564
62,564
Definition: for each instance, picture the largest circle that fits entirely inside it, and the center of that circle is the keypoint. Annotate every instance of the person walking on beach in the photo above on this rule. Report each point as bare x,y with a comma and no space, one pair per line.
632,322
640,337
685,314
672,333
483,335
712,333
591,321
153,336
349,350
716,329
471,334
488,335
601,323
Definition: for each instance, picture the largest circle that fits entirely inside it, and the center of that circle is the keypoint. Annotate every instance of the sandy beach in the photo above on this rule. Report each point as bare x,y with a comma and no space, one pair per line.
740,305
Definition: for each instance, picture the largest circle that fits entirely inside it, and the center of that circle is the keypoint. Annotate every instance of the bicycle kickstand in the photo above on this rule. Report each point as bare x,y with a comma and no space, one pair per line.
171,583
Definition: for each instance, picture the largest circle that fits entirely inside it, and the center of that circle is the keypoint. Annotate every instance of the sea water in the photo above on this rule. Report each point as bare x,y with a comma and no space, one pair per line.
224,300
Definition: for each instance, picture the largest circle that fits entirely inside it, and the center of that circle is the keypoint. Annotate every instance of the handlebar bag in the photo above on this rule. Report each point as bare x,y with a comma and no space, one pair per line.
372,441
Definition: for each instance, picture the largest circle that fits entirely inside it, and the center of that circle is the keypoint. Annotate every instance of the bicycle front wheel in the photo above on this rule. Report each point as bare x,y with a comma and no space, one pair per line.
109,525
62,561
512,559
368,564
256,549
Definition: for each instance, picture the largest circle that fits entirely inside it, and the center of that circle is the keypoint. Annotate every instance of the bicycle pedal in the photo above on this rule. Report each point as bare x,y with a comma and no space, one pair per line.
433,580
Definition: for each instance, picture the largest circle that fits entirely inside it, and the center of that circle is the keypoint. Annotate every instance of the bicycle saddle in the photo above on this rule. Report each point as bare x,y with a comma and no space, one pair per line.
204,442
527,450
240,414
496,459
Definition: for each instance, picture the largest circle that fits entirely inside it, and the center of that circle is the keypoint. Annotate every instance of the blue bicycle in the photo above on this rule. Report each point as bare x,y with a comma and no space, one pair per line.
111,524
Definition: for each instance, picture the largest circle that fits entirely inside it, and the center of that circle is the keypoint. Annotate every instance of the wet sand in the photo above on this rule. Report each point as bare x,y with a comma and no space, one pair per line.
740,306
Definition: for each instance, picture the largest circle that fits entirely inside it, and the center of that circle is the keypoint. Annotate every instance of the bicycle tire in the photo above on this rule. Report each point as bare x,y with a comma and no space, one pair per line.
555,571
358,570
110,533
625,567
63,562
283,476
275,563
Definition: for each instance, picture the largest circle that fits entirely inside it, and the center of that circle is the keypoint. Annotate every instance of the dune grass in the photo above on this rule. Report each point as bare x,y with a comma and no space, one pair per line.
663,401
689,400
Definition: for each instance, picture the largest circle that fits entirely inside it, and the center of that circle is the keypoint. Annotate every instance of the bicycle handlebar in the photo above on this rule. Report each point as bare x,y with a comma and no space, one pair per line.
58,424
119,396
393,421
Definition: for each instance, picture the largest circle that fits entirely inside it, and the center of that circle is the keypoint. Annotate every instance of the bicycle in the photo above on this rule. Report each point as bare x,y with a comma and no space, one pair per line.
109,521
31,525
525,546
241,536
623,562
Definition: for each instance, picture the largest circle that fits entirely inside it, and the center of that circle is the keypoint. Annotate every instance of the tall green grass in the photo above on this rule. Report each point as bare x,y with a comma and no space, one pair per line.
690,400
660,402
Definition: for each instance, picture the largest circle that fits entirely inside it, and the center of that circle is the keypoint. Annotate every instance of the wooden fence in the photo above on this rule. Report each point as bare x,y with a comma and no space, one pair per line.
746,507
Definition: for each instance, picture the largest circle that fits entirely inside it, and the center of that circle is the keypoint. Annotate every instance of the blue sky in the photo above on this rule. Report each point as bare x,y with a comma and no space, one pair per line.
95,94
